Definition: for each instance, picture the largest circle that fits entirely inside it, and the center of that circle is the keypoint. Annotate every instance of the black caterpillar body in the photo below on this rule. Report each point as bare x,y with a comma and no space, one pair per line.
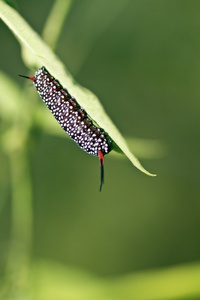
73,119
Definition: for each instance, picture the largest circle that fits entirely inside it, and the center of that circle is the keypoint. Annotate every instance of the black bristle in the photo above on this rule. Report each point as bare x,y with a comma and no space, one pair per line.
101,158
27,77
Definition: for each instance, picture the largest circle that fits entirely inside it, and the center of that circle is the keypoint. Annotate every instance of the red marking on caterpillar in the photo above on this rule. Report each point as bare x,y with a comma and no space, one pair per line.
72,117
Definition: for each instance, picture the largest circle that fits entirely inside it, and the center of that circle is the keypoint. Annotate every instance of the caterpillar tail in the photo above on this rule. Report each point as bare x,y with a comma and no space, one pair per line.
101,159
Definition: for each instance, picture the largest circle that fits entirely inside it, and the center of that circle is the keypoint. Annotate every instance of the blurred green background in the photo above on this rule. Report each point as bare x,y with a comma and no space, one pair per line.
141,58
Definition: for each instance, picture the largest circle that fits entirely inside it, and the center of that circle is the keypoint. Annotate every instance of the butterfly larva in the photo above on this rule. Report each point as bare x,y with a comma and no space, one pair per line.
72,117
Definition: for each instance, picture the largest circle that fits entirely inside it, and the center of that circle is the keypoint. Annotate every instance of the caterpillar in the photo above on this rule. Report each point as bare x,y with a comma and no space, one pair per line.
73,119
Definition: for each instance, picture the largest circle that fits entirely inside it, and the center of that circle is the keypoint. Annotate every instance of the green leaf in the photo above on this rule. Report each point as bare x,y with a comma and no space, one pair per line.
11,103
37,54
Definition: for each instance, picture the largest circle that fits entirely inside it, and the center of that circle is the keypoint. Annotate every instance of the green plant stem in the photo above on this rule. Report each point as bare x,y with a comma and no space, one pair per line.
21,227
90,39
55,21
